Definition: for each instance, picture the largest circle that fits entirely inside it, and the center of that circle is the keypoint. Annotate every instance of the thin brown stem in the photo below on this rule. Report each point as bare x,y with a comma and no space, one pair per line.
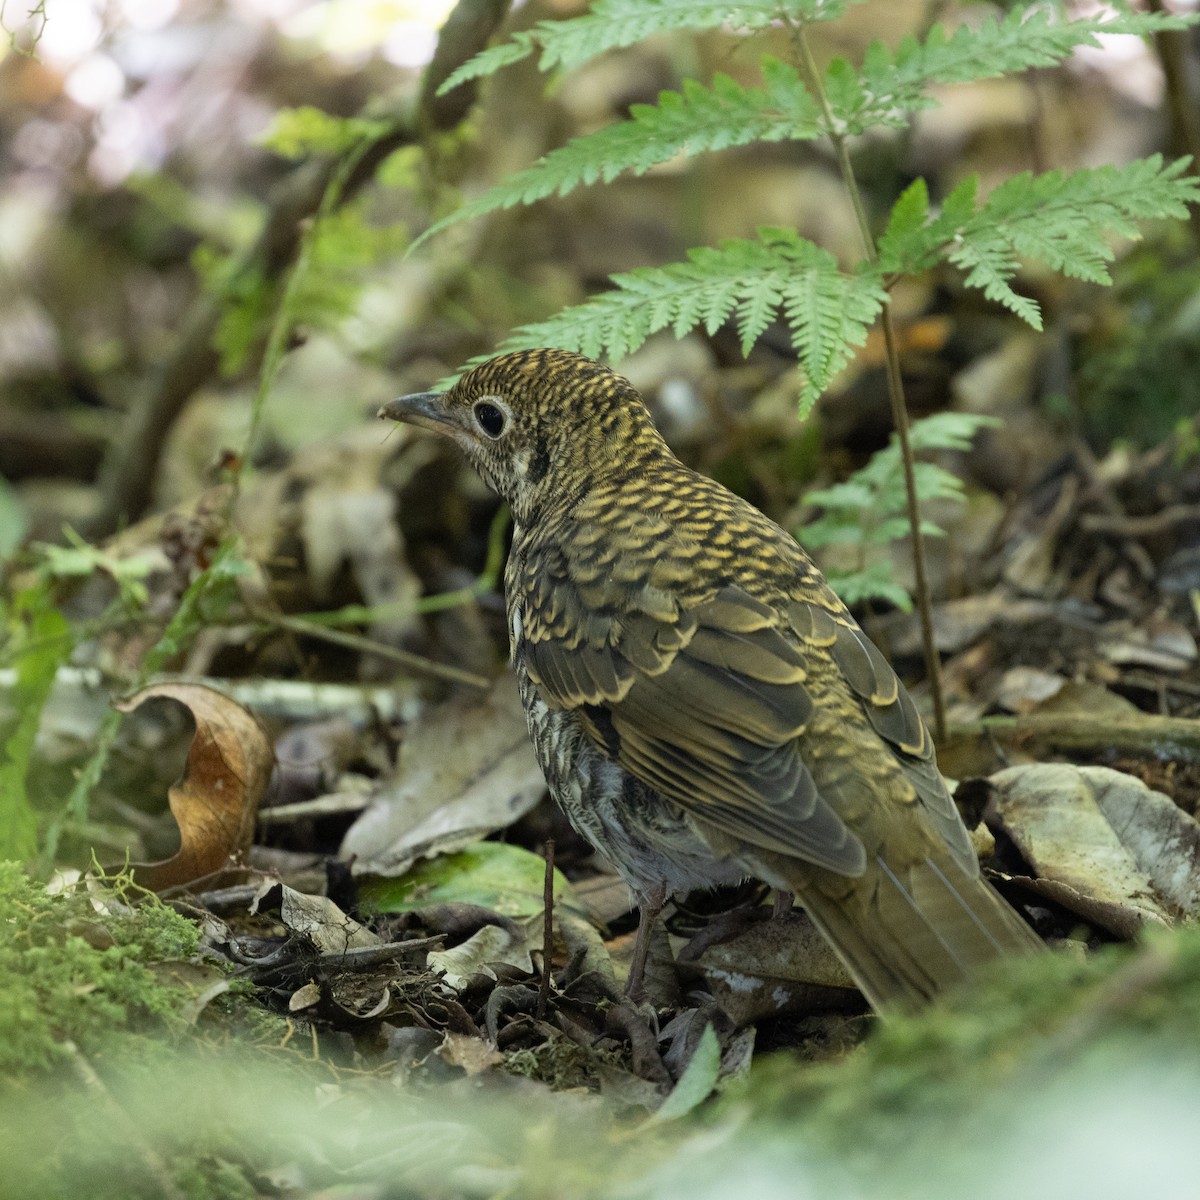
894,380
933,664
354,641
1172,47
547,931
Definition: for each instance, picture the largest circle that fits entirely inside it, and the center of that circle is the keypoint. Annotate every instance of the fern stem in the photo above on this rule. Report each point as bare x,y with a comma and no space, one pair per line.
894,380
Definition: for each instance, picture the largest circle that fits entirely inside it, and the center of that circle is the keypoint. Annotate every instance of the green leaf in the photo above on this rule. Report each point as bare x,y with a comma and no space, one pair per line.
697,1081
908,244
1059,219
891,85
610,24
48,644
304,131
14,524
870,509
949,430
690,121
876,581
79,559
747,280
401,168
505,879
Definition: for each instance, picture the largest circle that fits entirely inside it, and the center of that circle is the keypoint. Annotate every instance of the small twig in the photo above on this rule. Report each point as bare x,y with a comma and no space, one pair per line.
1138,527
362,958
332,804
547,931
355,641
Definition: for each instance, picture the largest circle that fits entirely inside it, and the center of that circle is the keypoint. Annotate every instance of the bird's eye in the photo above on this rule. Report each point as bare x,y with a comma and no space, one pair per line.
491,419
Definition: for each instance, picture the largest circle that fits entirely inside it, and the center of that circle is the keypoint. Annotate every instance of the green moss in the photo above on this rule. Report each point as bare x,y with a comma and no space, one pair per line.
563,1064
73,972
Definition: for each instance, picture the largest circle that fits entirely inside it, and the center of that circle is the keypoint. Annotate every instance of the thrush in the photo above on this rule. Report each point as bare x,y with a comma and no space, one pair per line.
702,704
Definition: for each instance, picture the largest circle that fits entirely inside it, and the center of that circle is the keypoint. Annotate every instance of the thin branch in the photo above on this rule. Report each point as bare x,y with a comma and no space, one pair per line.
354,641
1172,47
895,386
547,931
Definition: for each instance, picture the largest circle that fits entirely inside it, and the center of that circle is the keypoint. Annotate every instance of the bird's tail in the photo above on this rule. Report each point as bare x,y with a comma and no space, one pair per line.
908,934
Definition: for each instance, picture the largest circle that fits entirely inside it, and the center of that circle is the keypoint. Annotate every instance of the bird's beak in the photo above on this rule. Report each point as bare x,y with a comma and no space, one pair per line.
423,408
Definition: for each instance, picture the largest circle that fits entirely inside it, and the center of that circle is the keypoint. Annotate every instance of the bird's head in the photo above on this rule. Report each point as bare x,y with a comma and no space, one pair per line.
538,425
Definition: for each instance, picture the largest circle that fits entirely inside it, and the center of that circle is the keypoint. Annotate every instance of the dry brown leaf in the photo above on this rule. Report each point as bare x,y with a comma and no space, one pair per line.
1103,843
305,997
771,967
323,922
472,1054
228,766
489,945
466,769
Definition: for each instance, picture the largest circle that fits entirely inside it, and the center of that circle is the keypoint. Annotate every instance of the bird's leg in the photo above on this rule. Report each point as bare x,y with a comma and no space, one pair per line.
649,906
783,902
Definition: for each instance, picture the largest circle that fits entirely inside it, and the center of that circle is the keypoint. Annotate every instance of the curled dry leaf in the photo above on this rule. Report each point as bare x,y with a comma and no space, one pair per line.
228,766
491,944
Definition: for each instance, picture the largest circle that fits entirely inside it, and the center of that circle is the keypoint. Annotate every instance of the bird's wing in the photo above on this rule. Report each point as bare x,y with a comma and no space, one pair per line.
894,717
704,696
704,701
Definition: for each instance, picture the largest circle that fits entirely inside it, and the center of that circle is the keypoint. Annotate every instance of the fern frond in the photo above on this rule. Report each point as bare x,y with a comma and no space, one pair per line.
874,582
610,24
867,510
889,86
1060,220
695,119
747,280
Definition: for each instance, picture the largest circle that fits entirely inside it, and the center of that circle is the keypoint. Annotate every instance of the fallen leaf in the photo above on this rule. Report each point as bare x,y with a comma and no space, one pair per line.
491,944
493,875
472,1054
697,1081
228,765
1103,843
305,997
771,967
323,923
465,771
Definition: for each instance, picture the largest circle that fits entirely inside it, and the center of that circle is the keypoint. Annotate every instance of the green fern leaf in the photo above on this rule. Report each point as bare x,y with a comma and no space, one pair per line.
1060,220
493,59
890,86
989,263
749,280
949,430
756,312
610,24
908,243
693,120
874,582
868,510
829,314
